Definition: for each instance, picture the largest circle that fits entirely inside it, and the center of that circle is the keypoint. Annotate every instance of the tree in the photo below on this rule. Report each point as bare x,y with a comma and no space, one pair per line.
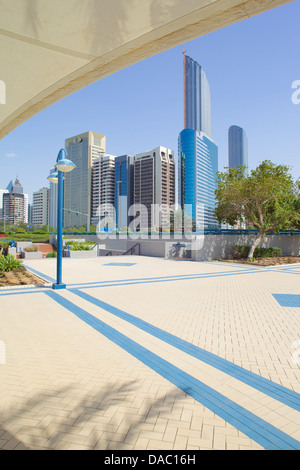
266,199
297,204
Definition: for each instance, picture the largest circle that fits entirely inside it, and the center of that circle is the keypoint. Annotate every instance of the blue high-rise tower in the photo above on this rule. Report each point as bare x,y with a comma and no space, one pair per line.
124,195
198,153
237,147
197,103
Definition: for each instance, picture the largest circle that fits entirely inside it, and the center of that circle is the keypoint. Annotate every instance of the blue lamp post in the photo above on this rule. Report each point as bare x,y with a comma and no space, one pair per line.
62,165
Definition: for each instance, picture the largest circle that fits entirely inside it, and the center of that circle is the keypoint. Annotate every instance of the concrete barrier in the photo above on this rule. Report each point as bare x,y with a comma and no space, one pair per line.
199,248
32,254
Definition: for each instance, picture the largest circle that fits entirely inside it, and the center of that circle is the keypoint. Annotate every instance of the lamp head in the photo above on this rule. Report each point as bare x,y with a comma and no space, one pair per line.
53,177
64,164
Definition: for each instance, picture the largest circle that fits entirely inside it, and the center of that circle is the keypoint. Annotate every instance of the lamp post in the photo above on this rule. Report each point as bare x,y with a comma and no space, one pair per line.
62,165
119,205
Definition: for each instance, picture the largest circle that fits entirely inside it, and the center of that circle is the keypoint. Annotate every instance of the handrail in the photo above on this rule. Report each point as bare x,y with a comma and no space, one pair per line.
132,249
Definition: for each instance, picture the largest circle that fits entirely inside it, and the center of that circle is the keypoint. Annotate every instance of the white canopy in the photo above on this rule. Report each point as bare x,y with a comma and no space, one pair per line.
51,48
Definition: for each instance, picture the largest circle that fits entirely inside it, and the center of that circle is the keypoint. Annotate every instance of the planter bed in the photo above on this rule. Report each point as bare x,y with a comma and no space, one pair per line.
276,260
18,278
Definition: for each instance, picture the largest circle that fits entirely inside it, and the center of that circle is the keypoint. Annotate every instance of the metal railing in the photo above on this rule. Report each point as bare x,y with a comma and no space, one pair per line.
133,249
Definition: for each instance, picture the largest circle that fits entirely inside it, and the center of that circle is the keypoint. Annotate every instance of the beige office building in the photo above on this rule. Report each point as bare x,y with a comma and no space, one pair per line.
83,150
154,186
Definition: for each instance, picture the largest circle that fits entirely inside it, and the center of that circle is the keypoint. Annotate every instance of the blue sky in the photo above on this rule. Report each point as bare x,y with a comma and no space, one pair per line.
250,66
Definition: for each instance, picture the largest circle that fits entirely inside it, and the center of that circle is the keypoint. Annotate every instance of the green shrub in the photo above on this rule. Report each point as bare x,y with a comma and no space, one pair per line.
9,263
52,254
40,231
79,246
241,251
271,252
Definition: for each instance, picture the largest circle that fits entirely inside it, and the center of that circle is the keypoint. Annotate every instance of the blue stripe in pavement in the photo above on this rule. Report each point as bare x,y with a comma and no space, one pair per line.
257,429
182,277
6,292
149,279
38,273
276,391
185,277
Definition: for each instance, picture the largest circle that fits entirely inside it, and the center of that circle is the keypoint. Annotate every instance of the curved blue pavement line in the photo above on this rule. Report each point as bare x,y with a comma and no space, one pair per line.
257,429
276,391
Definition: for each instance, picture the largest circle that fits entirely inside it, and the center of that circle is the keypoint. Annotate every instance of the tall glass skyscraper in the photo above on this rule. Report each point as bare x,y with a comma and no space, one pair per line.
198,153
237,147
197,103
124,190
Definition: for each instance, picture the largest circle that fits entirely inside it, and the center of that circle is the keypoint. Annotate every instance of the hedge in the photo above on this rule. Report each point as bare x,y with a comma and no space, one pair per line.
242,251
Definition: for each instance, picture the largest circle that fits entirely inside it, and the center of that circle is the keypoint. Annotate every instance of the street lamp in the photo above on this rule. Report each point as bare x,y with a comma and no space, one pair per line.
62,165
119,205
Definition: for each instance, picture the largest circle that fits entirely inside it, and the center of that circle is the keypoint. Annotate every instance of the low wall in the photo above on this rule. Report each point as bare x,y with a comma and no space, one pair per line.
22,245
82,254
32,254
218,246
200,248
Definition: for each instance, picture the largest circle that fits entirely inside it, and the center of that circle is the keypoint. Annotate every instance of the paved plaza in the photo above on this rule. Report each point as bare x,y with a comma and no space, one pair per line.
141,353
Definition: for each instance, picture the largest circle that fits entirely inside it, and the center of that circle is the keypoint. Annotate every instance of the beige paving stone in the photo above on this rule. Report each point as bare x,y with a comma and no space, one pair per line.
159,445
170,433
69,387
141,444
180,442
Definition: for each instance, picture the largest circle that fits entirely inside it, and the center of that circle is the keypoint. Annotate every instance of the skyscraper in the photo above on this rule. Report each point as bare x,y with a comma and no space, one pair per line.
40,207
124,189
2,191
197,152
154,186
26,208
103,183
83,150
197,102
197,171
237,147
13,203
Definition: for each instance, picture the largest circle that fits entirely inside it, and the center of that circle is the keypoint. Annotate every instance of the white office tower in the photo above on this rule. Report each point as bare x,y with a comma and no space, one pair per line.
26,219
40,207
154,186
82,150
103,200
2,191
